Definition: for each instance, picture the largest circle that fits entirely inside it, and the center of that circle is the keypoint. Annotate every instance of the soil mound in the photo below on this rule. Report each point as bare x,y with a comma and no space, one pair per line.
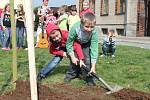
67,92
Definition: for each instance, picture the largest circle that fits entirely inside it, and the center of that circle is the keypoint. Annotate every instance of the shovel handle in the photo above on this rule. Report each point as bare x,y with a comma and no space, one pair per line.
98,78
88,70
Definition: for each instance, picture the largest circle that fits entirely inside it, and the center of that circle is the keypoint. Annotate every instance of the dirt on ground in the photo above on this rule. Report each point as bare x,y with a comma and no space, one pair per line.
65,91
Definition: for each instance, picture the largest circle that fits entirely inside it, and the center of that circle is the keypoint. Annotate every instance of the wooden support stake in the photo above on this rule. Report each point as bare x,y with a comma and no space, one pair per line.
31,51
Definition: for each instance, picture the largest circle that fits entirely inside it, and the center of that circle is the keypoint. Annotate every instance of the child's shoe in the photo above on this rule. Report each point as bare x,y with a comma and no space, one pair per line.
112,56
40,77
102,55
67,80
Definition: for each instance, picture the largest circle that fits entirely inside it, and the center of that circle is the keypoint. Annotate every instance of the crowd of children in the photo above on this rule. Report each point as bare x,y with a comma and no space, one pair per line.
5,27
68,35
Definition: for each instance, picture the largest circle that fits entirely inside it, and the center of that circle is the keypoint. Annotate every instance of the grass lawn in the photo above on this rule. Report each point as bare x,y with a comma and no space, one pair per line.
130,68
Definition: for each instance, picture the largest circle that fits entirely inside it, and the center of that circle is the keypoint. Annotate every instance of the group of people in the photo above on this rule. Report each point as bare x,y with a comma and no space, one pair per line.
79,43
5,27
68,35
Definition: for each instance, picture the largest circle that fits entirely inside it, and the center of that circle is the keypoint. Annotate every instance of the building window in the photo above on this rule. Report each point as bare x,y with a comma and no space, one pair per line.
104,7
120,7
92,4
120,32
104,30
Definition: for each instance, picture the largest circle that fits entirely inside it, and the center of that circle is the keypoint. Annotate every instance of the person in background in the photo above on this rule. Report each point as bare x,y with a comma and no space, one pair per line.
6,26
57,46
62,20
73,18
109,44
42,13
1,31
86,9
50,17
84,32
20,26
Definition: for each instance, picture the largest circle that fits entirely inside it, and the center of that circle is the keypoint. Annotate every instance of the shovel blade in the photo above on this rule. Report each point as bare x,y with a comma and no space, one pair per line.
115,88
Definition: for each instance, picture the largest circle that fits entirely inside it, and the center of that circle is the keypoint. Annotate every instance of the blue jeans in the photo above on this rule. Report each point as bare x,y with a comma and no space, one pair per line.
7,37
50,66
108,49
20,36
2,38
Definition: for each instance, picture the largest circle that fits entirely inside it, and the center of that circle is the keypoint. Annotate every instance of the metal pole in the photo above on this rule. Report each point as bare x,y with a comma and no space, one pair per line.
31,51
13,30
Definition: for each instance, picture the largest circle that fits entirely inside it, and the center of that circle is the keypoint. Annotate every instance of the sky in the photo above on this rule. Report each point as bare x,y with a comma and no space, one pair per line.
54,3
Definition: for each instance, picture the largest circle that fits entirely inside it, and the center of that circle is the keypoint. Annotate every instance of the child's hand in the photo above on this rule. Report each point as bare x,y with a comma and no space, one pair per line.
3,27
74,60
64,54
82,63
92,70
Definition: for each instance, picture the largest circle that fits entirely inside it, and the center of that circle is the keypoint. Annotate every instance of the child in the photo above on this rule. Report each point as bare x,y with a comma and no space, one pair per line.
84,32
6,26
20,26
73,18
1,31
62,20
57,46
109,44
50,17
86,9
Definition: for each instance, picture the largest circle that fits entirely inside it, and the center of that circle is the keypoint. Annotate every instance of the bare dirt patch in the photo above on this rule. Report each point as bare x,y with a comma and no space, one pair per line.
67,92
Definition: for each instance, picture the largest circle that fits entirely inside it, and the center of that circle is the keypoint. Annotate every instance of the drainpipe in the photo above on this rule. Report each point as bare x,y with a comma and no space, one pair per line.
125,17
146,5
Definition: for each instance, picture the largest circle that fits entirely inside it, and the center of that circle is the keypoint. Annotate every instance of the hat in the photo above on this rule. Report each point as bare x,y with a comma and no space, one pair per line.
51,27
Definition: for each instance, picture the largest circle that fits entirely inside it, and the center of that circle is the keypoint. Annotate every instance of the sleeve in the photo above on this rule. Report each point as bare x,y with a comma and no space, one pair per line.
94,47
78,50
2,17
70,40
54,51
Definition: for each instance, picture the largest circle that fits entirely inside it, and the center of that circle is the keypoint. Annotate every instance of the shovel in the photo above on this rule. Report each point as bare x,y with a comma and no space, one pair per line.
111,89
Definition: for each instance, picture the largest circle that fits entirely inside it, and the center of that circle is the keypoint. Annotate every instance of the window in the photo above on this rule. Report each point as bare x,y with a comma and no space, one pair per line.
120,7
92,4
104,30
120,32
104,7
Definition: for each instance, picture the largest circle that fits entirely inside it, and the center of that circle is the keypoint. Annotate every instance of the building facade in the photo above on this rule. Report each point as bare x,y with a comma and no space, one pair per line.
126,17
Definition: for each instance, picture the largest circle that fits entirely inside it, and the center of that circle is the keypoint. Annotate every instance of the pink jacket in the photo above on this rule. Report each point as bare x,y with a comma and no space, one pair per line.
50,19
86,11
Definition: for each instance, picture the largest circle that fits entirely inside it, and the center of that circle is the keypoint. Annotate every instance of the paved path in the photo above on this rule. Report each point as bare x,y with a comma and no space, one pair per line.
142,42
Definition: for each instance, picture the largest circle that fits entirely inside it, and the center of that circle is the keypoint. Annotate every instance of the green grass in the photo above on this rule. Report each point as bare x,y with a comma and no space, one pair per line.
130,68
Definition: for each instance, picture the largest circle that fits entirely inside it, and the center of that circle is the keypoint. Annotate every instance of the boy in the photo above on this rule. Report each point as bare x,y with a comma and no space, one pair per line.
109,44
57,46
84,32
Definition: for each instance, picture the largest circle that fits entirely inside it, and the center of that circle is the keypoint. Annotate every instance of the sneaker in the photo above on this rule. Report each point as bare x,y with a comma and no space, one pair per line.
36,45
67,80
91,82
112,56
3,48
102,55
26,49
40,77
